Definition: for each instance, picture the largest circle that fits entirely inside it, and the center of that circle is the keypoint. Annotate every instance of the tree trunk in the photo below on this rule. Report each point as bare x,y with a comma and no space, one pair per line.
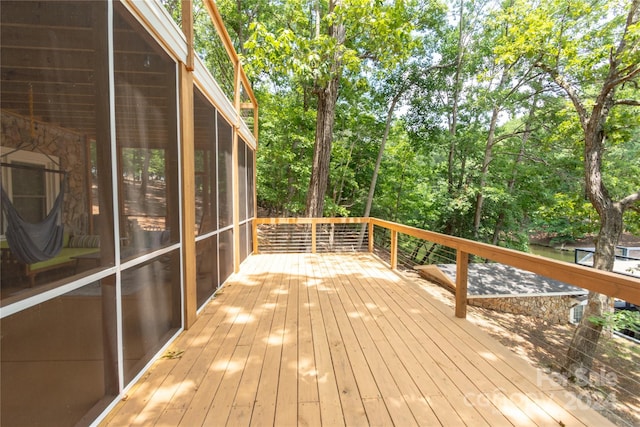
322,149
327,98
585,339
337,192
376,169
583,345
427,254
456,95
514,172
586,336
488,155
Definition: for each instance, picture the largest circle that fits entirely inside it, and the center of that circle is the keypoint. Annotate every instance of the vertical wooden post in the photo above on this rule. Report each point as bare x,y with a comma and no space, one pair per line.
187,29
313,237
255,201
370,224
394,249
236,202
236,171
188,196
462,271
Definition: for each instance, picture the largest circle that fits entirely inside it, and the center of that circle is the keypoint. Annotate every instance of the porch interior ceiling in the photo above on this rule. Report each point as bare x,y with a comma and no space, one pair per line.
53,56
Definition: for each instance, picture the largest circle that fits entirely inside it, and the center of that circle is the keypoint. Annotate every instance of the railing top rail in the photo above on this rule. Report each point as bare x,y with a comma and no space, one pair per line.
303,220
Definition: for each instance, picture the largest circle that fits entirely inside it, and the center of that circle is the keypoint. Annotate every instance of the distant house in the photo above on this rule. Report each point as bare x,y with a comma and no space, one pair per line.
104,103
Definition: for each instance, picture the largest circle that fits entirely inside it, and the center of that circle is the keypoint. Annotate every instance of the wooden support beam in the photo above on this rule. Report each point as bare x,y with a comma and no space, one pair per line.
394,249
188,197
236,172
462,272
370,225
187,29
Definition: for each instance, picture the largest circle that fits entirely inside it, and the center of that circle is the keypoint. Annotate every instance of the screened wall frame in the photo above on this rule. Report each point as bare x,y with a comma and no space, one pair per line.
242,202
159,27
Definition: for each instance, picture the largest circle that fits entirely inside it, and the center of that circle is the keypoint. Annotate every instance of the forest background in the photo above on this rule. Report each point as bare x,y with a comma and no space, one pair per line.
443,119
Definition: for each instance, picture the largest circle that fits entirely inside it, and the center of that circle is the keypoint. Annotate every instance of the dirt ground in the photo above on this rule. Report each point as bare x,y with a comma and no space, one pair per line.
544,346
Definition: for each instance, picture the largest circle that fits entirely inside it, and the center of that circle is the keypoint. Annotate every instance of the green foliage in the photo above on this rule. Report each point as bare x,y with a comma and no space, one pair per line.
618,320
535,176
567,218
138,161
284,157
294,47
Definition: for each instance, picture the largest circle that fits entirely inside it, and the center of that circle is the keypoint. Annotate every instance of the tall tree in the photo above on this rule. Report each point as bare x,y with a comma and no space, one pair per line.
326,90
318,44
591,52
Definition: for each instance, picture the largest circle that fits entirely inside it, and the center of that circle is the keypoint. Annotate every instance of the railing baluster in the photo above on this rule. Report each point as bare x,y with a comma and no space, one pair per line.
462,270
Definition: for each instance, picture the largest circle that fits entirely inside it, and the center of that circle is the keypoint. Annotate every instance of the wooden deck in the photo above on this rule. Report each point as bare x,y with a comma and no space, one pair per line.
333,340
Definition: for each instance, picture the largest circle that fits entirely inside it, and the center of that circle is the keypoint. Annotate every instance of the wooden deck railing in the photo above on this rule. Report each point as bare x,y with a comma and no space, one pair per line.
612,284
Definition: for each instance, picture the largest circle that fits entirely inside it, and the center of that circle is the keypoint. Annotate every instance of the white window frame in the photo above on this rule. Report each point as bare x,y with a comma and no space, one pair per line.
52,180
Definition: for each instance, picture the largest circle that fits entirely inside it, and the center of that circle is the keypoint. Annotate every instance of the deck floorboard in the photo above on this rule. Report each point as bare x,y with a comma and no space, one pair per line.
339,339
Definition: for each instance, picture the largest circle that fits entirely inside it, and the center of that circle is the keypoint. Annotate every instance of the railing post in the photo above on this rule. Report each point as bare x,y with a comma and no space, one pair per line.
462,271
313,238
187,158
394,249
370,236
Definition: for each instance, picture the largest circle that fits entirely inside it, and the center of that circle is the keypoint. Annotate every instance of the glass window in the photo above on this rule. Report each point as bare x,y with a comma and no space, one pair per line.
28,191
146,136
58,358
55,123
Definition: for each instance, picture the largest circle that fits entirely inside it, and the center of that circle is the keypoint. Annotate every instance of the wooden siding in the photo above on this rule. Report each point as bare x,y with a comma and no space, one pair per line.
306,339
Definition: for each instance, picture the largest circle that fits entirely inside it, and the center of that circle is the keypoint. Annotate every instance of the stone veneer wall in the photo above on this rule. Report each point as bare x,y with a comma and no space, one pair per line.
69,147
551,309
